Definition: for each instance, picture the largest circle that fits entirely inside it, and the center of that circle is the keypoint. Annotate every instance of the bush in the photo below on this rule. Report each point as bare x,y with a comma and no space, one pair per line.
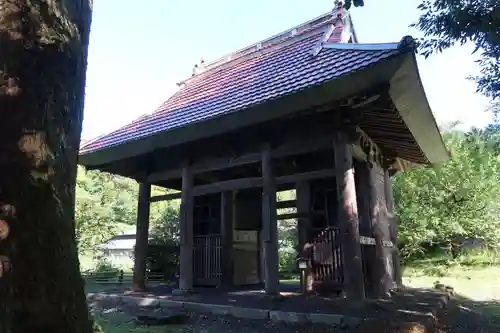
288,260
104,271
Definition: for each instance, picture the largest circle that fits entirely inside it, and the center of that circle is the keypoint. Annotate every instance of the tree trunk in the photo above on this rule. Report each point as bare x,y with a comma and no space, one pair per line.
43,59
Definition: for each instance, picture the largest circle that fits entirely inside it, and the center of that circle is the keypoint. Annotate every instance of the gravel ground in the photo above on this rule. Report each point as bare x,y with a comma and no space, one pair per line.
120,319
460,317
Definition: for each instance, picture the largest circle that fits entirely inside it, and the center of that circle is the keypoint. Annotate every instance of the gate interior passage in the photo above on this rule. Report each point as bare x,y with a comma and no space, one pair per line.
324,234
207,240
327,259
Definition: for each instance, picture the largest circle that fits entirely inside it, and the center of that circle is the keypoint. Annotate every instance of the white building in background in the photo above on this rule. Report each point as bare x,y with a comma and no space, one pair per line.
119,249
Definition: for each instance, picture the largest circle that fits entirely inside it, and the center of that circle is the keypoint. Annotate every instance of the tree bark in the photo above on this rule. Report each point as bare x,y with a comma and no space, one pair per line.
43,59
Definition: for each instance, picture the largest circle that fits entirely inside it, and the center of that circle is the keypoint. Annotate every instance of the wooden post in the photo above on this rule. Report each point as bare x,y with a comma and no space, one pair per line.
303,196
269,225
186,232
396,260
141,238
363,189
377,198
348,217
227,227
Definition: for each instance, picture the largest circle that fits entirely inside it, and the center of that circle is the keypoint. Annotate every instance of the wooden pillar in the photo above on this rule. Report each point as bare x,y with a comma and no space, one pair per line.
348,217
269,225
141,238
227,228
186,232
383,276
391,219
363,189
303,196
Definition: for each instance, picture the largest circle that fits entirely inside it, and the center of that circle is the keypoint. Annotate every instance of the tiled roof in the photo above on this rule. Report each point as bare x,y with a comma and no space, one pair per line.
268,73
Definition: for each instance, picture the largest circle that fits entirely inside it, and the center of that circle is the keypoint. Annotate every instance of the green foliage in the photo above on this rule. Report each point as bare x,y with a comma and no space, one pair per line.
449,22
103,203
106,204
287,235
166,227
438,205
357,3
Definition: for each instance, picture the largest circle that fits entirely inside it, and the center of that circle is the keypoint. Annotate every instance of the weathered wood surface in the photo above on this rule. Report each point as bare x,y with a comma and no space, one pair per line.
166,197
383,276
246,183
348,215
141,238
286,204
227,227
296,145
269,225
396,260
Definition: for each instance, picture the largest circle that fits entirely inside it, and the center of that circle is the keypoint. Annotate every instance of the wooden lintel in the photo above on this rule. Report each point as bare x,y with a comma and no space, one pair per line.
290,216
228,185
289,149
250,182
286,204
253,182
166,197
310,175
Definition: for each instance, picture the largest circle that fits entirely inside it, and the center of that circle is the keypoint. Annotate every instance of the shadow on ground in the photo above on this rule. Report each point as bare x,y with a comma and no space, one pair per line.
462,315
466,315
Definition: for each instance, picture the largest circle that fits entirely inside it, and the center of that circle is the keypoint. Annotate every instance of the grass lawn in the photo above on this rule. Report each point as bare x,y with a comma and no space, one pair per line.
477,288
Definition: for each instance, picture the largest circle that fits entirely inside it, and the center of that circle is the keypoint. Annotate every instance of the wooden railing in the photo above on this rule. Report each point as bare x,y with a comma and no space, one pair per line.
326,255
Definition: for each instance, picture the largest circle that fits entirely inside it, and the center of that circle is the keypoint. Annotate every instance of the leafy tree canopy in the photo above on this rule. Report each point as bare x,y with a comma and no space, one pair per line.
438,205
449,22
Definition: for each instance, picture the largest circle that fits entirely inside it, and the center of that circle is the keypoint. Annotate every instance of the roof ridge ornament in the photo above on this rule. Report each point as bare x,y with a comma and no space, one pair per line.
408,43
199,67
338,13
319,46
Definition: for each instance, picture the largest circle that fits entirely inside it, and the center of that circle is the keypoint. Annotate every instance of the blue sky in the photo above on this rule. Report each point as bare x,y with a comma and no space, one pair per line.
140,50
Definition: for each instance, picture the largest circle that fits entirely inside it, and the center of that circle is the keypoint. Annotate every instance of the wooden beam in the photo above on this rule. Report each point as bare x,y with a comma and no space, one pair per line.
250,182
348,214
289,149
297,215
228,185
286,204
141,238
254,182
305,176
186,231
165,197
269,225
